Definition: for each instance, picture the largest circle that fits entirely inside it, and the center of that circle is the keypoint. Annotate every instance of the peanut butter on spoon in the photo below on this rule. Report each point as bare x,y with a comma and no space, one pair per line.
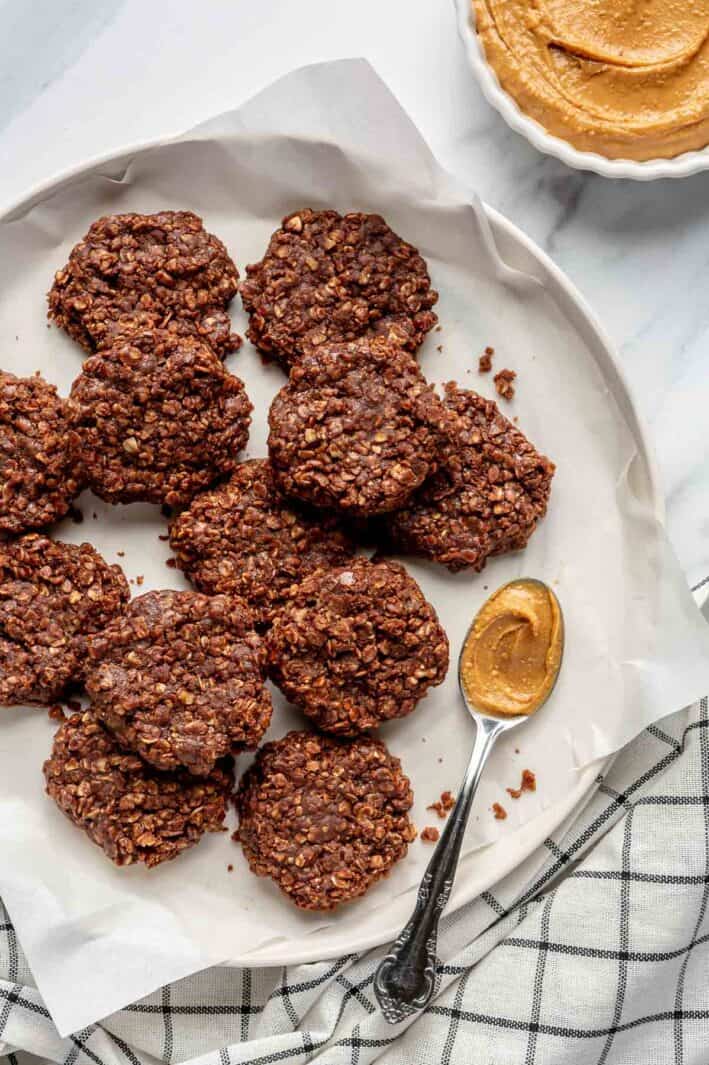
512,653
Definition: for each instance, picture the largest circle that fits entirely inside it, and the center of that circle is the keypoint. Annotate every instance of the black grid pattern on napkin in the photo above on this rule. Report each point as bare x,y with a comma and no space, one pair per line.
596,950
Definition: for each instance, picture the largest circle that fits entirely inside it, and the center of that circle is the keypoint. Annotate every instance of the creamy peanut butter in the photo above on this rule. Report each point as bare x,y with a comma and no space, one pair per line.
623,78
512,654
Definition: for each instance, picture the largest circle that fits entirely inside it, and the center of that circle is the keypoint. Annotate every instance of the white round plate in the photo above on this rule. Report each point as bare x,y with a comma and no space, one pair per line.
480,869
650,170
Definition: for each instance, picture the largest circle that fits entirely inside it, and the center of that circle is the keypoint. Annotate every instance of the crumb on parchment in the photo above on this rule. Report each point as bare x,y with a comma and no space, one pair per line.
485,360
443,805
528,783
503,383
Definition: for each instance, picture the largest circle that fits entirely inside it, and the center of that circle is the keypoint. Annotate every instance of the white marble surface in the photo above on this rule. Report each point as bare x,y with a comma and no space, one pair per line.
79,78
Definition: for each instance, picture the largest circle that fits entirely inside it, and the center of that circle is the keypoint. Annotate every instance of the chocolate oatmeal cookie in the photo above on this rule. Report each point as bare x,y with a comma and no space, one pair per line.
324,818
488,495
329,277
160,268
131,811
356,429
39,478
357,646
179,678
52,597
245,538
157,418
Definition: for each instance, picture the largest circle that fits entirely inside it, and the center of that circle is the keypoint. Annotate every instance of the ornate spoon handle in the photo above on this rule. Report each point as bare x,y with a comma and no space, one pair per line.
406,977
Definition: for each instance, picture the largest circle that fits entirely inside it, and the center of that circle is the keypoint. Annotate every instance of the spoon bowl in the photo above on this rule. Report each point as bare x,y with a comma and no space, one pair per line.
489,722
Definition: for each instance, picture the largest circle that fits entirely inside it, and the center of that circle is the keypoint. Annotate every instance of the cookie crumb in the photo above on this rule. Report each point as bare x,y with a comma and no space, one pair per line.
485,360
164,537
499,811
439,347
230,868
56,713
139,579
170,563
430,834
443,805
503,383
121,554
528,783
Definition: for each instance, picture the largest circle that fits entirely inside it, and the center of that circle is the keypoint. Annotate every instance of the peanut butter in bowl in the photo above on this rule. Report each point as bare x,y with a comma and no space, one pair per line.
627,79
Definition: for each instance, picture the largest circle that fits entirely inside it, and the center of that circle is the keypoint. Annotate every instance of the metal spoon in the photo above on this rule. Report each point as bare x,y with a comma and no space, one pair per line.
406,978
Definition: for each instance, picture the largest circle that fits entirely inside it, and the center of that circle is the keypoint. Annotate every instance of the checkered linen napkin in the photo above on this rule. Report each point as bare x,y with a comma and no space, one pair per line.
595,950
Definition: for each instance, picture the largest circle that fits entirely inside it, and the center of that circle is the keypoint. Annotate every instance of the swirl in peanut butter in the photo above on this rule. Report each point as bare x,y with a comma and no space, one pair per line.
513,651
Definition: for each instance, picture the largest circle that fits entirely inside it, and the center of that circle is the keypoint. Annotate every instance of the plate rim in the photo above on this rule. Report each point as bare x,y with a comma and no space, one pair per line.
314,945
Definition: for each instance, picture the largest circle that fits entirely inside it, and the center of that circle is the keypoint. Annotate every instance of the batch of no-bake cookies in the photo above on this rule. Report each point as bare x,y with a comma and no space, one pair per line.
363,456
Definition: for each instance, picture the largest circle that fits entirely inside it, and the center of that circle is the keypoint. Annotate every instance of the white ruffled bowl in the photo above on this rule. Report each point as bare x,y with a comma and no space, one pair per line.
680,166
